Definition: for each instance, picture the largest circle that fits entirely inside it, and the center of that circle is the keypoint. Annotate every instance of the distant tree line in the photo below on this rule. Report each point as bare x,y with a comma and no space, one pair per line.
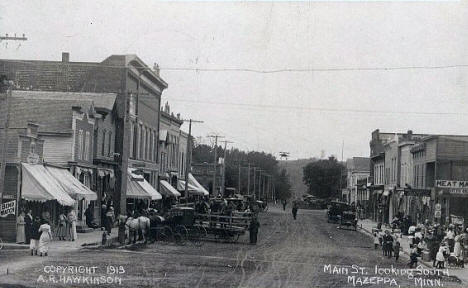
323,178
234,157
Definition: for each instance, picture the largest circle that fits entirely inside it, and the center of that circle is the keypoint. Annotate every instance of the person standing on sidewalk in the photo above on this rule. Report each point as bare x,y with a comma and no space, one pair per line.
62,227
28,221
110,219
45,238
376,240
20,231
72,225
396,250
35,235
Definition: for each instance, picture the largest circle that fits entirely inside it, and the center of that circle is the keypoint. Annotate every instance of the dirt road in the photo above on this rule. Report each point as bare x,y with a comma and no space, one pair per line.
307,252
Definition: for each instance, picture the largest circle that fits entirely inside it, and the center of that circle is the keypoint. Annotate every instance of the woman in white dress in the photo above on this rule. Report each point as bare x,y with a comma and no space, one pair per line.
20,224
45,238
72,225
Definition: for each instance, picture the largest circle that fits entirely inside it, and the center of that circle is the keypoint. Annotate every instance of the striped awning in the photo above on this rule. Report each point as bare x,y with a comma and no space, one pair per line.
168,190
38,184
138,187
195,183
71,185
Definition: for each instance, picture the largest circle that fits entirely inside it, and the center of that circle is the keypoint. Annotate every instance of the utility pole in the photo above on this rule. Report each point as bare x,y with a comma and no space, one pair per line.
248,179
254,193
223,183
6,127
215,158
239,180
188,155
341,169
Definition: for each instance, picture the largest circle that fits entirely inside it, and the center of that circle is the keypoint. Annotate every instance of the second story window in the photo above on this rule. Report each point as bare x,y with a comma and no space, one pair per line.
109,145
87,145
80,144
103,144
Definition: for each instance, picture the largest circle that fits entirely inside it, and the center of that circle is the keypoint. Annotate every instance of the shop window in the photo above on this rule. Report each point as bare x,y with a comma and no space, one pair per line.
109,145
80,144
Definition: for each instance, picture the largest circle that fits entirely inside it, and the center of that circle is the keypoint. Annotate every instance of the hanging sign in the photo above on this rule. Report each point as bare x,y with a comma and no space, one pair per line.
457,220
8,208
452,187
437,214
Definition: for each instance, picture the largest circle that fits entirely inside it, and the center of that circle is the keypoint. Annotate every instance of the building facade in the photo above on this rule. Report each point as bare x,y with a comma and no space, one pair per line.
137,105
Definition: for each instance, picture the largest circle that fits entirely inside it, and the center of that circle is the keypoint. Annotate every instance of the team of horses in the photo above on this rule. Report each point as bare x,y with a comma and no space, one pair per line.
140,225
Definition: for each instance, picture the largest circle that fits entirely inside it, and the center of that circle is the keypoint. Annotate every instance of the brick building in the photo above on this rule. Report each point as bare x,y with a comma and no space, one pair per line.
138,89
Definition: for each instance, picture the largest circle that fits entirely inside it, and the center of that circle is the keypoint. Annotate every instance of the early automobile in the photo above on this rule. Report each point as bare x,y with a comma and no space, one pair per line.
348,218
343,214
335,210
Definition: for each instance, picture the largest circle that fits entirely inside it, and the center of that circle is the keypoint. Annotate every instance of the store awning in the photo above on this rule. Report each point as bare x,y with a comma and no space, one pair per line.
138,187
195,183
191,189
168,190
38,184
71,185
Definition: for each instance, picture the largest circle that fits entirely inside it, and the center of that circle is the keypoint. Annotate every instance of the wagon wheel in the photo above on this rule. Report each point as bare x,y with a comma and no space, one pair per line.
198,233
166,234
235,237
196,236
181,234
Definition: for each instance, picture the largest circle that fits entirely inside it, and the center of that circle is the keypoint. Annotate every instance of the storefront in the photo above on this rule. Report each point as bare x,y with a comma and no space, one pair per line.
452,198
140,193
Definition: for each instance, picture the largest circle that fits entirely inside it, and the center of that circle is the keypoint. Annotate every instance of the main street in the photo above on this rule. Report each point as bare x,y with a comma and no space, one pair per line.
289,254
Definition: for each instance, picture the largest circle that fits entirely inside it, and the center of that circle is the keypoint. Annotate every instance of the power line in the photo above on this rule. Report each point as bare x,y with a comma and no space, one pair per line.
321,109
261,71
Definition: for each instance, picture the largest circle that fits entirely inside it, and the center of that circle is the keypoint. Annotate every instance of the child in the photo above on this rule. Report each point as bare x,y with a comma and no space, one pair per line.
396,250
376,241
413,256
440,258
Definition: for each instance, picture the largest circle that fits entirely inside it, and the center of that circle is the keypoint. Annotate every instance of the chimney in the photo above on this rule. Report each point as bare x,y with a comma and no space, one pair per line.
65,57
156,69
410,134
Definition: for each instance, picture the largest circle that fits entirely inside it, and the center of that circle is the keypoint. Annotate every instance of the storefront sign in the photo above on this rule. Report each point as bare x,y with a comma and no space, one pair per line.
457,220
451,184
8,208
460,192
452,188
32,158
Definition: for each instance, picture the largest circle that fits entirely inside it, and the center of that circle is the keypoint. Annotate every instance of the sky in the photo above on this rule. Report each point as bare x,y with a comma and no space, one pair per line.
301,77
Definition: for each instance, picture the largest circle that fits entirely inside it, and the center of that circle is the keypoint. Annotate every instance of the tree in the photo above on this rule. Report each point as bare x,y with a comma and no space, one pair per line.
283,186
323,177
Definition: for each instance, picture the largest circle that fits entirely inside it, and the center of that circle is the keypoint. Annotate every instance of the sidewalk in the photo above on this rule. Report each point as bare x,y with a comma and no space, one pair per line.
367,225
84,239
56,249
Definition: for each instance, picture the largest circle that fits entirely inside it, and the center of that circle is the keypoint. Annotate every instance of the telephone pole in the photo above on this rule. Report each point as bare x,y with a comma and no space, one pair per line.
215,159
188,155
223,183
248,179
6,127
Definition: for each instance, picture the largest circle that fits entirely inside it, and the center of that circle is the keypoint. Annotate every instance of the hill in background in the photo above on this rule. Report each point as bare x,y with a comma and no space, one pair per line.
294,169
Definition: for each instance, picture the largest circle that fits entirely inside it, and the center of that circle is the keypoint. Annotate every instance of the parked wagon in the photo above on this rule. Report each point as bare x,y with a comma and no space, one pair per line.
179,226
225,228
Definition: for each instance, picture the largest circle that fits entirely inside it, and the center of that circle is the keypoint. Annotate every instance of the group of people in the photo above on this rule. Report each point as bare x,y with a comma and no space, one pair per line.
66,229
445,244
390,244
35,231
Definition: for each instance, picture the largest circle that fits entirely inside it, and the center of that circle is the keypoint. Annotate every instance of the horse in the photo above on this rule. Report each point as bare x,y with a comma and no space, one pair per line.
135,225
